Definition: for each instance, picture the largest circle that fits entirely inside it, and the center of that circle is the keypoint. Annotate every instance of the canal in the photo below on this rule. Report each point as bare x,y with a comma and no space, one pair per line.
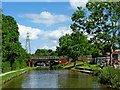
54,79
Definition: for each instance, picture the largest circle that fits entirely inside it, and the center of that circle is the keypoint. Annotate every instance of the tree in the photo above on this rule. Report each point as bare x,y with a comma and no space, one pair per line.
13,55
102,22
0,41
74,45
45,52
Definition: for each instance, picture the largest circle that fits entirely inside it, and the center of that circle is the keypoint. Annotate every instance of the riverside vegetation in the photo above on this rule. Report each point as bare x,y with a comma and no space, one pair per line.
108,76
14,57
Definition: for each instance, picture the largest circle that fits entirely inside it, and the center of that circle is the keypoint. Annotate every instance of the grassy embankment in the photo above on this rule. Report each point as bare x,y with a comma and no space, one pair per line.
83,67
12,75
108,76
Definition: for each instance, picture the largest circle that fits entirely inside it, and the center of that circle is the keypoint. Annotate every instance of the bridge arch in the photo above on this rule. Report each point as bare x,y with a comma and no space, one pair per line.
49,59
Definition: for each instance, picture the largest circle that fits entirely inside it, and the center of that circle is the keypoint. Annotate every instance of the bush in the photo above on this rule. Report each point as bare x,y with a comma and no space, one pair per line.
16,65
6,66
23,64
110,76
59,66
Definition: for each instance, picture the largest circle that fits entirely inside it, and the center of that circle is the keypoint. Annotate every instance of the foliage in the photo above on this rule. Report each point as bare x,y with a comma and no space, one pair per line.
110,76
0,41
59,66
74,45
16,65
101,23
45,52
12,50
6,66
68,67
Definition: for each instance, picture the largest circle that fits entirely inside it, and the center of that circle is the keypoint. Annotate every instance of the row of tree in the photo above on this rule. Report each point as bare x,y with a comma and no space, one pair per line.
45,52
99,19
13,55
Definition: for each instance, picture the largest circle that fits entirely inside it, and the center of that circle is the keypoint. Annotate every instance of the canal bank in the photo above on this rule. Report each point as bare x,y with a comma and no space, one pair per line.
108,76
80,66
5,77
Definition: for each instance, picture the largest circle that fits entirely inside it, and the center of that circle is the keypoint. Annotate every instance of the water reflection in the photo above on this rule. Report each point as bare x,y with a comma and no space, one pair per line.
73,79
53,79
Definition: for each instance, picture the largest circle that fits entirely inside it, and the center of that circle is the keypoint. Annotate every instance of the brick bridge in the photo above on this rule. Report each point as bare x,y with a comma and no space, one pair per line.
35,59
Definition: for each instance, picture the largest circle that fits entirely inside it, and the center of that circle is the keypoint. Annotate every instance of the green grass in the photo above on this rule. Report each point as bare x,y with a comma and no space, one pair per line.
80,64
89,66
7,76
70,66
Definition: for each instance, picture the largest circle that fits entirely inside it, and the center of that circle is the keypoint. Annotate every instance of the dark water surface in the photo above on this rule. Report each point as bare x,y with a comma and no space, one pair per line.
54,79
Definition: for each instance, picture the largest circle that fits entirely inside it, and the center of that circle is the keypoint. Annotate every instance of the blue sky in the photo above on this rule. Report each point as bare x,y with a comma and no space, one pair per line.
46,21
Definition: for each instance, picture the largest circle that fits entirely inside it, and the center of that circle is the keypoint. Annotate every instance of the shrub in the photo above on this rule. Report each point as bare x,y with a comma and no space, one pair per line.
23,64
6,66
16,65
59,66
110,76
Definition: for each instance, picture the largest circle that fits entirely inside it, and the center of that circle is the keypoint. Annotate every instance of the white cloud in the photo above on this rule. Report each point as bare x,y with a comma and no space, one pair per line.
47,47
53,48
75,3
33,32
46,18
53,35
56,34
23,44
49,37
54,41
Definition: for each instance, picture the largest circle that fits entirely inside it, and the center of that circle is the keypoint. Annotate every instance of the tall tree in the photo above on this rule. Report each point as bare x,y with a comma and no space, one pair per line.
13,55
74,45
101,21
44,52
0,41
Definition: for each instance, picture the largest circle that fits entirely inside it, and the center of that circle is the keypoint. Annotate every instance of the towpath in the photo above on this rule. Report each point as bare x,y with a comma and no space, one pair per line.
10,72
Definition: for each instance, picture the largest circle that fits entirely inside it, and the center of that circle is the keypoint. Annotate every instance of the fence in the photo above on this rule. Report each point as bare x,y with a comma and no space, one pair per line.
85,58
89,59
98,60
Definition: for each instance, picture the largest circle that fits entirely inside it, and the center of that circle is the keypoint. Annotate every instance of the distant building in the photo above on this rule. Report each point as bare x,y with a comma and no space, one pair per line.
116,54
63,61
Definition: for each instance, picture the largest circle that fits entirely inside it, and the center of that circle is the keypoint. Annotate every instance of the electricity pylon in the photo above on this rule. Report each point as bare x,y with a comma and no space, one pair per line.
27,46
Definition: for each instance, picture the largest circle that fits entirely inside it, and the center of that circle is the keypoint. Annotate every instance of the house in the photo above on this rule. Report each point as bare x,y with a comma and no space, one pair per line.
116,54
116,60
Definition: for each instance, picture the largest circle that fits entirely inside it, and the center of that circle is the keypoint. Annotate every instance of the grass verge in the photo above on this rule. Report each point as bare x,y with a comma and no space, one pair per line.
79,65
10,76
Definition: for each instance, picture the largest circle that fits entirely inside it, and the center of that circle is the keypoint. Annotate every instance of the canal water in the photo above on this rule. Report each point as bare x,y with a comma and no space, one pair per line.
54,79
